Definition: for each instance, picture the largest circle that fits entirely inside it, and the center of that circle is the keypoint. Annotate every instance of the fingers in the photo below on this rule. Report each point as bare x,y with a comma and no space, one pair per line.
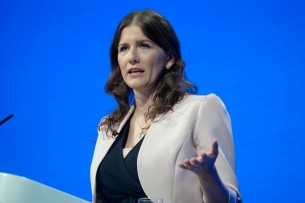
204,160
181,165
204,156
215,147
189,164
214,150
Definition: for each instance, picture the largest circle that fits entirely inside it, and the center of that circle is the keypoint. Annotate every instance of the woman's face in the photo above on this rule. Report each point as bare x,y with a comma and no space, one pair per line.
141,60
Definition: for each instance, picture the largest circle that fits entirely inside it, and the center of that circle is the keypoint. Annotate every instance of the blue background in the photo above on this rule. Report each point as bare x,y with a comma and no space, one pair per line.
54,63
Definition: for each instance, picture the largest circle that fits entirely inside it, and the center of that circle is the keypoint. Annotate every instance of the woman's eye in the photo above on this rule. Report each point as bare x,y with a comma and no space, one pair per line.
145,46
122,49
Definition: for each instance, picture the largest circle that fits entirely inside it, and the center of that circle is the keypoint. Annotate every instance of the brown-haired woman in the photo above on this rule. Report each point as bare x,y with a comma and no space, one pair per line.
162,140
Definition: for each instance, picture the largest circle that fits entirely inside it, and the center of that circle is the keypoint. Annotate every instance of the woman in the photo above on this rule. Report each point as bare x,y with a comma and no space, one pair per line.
162,140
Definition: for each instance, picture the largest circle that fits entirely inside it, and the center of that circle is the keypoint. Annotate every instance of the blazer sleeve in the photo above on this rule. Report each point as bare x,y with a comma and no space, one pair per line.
213,121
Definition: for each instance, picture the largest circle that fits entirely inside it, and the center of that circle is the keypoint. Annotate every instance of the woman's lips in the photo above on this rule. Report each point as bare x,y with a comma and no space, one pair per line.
135,71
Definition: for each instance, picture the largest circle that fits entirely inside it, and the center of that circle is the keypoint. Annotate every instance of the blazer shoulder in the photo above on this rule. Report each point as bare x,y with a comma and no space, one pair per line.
209,98
99,126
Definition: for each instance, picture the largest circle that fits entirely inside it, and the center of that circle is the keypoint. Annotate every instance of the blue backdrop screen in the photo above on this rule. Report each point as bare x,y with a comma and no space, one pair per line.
55,61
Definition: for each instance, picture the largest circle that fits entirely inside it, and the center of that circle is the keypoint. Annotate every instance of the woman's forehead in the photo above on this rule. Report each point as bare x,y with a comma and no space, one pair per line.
132,32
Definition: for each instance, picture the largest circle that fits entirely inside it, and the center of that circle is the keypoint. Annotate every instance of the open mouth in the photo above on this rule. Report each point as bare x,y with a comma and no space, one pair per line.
135,71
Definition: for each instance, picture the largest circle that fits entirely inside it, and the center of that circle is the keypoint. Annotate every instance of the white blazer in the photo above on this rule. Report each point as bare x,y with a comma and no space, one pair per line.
183,133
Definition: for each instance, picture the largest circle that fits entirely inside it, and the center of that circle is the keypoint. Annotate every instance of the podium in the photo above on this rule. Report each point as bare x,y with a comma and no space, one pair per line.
16,189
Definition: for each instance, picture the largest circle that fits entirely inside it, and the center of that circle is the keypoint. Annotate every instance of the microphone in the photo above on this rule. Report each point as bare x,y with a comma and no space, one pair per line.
6,119
115,134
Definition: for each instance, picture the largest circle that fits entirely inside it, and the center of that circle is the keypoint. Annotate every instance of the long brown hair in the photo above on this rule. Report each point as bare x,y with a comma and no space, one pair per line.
171,86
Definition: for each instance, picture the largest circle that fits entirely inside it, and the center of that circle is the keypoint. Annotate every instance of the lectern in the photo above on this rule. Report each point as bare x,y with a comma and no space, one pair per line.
16,189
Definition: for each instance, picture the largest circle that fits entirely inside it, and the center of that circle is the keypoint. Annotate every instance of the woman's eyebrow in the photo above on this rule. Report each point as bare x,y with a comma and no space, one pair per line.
137,41
122,44
145,40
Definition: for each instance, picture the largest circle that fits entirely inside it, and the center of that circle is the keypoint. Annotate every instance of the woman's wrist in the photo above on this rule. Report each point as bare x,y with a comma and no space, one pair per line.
213,188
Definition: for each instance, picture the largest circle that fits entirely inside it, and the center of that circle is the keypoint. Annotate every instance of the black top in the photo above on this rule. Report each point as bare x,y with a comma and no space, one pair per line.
117,177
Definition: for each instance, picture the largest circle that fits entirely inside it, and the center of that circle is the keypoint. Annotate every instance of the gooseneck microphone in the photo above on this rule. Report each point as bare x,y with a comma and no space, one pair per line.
6,119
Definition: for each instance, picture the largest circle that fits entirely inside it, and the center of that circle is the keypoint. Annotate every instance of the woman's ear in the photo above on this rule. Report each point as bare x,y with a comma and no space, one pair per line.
170,60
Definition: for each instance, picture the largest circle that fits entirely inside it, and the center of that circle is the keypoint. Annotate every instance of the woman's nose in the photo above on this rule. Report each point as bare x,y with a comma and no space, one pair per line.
133,56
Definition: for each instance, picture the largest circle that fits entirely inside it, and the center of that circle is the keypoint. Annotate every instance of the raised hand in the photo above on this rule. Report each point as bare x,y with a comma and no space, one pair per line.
202,165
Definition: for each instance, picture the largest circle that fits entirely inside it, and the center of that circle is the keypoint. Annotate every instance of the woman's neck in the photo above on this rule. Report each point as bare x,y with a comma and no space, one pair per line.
142,103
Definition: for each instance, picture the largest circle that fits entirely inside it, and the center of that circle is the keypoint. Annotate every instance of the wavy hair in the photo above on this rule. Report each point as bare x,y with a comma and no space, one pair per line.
172,85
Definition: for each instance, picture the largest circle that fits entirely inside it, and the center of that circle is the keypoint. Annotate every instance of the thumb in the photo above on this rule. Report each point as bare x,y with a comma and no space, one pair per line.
214,150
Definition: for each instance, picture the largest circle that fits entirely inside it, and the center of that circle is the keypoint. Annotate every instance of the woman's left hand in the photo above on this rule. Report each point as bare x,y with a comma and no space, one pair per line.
202,165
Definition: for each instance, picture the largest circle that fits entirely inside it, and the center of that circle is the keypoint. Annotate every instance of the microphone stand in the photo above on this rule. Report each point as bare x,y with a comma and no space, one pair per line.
6,119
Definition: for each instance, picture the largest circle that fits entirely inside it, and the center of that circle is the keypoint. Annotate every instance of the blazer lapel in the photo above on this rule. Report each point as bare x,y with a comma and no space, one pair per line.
103,145
130,112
